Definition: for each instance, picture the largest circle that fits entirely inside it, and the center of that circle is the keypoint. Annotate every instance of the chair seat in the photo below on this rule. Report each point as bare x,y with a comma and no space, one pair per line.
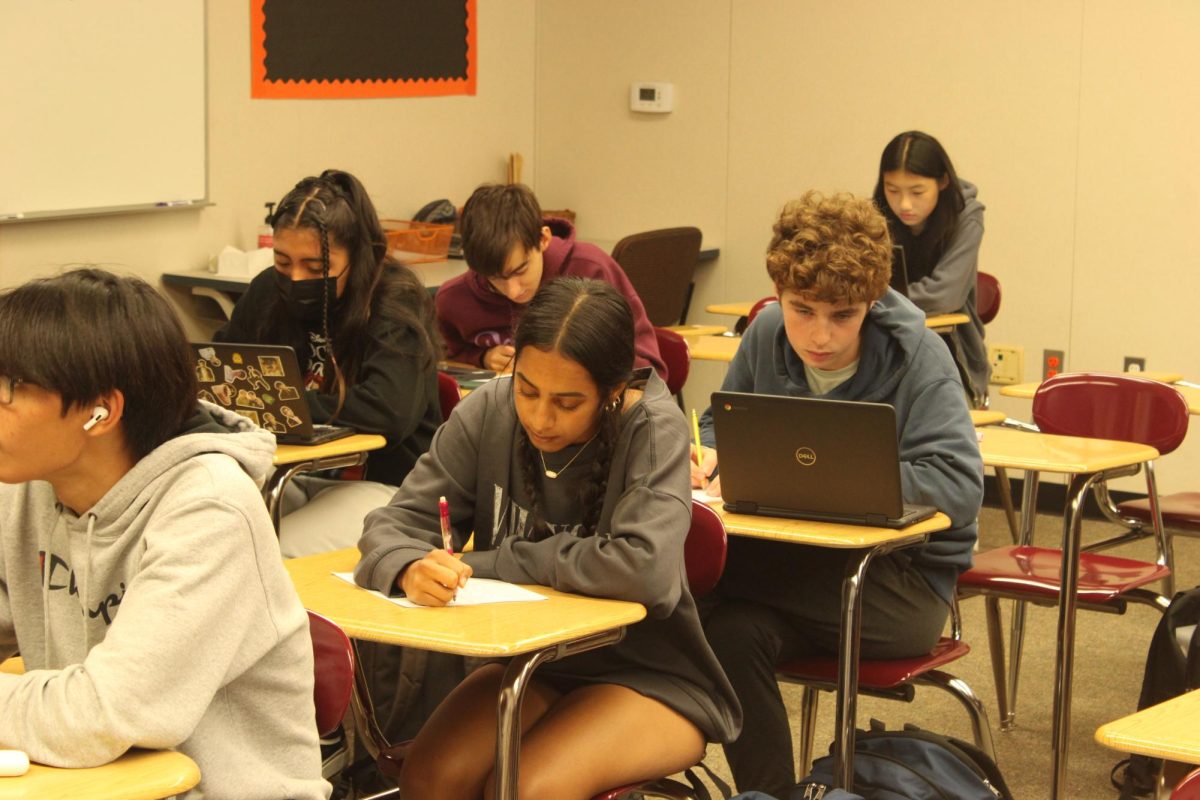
1181,510
875,673
1037,571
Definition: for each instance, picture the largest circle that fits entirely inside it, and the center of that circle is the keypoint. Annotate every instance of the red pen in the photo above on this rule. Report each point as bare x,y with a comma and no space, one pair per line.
444,514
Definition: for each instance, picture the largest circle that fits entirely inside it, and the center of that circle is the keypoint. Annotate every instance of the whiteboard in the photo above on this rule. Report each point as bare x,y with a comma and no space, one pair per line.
102,105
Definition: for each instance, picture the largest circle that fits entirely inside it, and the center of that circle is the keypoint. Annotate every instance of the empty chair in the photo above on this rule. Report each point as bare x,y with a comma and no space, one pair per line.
660,265
678,357
890,678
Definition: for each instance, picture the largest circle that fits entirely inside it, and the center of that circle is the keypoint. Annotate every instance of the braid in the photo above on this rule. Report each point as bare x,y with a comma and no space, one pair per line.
591,492
531,474
323,232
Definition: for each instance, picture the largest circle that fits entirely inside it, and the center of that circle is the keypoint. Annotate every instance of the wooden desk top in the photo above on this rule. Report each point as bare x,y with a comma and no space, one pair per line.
357,443
743,310
498,629
1167,730
137,775
1028,390
688,331
1043,452
983,416
824,534
713,348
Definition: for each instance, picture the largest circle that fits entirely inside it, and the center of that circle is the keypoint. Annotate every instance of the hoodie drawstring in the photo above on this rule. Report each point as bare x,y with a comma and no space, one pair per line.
87,574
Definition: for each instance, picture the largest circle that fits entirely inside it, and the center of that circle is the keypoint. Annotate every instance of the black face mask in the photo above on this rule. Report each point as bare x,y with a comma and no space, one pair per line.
304,300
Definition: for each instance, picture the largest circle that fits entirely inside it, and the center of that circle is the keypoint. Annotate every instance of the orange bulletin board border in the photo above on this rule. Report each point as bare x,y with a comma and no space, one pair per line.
261,88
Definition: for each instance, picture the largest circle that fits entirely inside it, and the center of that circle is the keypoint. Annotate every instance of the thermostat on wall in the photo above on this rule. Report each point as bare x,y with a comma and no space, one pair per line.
654,98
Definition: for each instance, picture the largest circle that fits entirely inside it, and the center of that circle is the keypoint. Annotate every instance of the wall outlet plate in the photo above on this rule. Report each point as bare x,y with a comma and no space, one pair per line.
1008,364
1134,364
1053,362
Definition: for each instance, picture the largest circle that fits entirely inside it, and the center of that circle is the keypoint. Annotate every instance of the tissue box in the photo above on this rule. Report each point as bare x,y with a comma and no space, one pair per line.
244,264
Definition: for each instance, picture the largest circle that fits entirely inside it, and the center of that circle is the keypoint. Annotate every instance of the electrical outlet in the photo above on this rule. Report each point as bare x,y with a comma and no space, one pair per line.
1135,364
1053,362
1008,364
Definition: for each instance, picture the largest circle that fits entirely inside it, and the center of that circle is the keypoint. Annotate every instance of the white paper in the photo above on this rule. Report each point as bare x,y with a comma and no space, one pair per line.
704,497
477,592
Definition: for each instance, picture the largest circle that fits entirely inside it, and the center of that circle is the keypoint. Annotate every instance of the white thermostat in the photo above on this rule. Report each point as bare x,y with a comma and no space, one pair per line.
653,98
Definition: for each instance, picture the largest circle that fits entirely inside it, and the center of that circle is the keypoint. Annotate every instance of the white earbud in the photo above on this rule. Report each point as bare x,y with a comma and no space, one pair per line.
98,413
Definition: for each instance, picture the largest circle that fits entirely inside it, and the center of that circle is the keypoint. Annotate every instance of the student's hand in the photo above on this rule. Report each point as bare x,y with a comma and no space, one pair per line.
714,488
708,463
435,579
499,358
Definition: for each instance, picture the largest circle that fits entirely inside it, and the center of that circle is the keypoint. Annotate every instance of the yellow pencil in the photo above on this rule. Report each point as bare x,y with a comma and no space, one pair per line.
696,433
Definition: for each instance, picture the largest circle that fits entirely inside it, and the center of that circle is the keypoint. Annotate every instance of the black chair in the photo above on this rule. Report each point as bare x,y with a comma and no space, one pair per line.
660,265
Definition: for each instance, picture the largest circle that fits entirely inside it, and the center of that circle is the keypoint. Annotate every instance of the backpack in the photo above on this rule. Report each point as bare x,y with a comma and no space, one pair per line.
909,764
1172,668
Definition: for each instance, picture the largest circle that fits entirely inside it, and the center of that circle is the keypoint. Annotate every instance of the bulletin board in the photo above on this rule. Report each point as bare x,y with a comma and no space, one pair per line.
362,48
104,107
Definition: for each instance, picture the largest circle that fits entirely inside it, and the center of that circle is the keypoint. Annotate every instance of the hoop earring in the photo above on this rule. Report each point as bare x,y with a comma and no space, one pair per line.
614,404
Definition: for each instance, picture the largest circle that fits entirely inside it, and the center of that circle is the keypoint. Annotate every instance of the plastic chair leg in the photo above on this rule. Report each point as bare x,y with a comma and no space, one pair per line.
809,700
980,729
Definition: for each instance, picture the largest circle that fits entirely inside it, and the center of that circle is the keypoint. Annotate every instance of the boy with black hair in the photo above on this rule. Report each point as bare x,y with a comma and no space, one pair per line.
839,332
511,252
140,577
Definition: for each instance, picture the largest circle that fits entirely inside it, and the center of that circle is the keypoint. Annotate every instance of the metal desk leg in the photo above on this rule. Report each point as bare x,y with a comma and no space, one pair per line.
847,689
1072,523
273,490
1016,638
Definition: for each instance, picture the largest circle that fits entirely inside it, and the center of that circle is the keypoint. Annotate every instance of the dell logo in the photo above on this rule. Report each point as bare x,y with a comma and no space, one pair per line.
805,456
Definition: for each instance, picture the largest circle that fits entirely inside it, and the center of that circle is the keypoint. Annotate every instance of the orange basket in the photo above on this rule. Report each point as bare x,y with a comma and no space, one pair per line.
417,242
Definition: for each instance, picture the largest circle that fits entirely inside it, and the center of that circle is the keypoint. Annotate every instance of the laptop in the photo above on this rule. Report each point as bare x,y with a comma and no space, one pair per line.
899,270
805,458
263,383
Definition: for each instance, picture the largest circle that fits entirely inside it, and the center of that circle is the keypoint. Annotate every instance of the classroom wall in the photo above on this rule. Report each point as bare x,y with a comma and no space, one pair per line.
406,151
1075,129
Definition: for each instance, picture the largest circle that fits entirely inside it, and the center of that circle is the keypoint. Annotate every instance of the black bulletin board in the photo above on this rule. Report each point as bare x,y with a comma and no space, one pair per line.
362,48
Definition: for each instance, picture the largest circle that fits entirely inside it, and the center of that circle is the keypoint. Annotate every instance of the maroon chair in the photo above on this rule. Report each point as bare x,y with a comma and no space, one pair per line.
704,559
987,297
678,357
759,306
1095,406
333,683
448,393
889,678
1188,788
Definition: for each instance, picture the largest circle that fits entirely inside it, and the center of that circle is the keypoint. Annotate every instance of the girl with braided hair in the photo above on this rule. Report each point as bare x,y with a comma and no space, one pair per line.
571,473
363,330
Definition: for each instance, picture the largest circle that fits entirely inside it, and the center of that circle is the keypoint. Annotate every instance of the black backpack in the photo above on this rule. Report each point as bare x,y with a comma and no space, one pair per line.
910,764
1170,671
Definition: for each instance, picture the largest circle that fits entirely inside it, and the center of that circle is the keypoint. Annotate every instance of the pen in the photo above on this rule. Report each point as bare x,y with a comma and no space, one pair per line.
6,217
169,203
696,433
444,515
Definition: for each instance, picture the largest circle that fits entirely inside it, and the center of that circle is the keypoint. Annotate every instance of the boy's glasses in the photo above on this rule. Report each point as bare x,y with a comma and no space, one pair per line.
7,386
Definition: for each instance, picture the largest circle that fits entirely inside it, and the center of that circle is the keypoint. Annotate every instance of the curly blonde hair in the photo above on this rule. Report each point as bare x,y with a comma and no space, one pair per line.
831,249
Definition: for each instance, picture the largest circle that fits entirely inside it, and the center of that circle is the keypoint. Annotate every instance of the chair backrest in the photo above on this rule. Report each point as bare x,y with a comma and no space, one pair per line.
448,393
333,672
676,355
759,306
987,297
660,265
704,549
1105,406
1188,788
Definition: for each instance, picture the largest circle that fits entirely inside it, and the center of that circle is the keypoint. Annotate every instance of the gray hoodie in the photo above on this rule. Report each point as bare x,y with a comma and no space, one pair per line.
166,621
637,553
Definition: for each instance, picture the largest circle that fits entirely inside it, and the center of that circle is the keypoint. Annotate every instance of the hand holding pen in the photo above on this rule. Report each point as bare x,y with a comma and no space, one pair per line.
704,459
435,579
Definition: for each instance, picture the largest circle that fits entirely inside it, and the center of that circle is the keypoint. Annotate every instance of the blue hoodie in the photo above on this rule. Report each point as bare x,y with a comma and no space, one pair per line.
903,364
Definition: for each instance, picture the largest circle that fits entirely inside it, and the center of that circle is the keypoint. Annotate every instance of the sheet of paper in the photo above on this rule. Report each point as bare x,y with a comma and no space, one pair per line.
704,497
477,592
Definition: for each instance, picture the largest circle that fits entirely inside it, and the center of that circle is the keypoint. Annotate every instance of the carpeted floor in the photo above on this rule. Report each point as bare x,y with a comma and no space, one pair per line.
1109,657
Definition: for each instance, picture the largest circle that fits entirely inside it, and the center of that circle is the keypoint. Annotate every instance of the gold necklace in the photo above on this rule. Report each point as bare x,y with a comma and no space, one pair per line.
552,474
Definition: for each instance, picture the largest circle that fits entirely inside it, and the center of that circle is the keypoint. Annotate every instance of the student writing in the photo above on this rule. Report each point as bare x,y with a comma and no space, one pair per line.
938,220
511,252
140,576
572,473
838,331
362,327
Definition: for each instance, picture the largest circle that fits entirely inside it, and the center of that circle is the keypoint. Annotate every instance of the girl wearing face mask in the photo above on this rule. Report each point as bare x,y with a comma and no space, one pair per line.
362,326
938,221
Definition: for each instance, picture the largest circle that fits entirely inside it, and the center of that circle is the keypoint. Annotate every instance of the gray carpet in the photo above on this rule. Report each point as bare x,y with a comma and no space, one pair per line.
1109,657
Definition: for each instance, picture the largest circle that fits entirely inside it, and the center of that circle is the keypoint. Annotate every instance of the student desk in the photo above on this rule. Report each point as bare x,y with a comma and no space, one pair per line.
868,542
939,323
349,451
981,417
1085,461
1028,390
531,633
1167,730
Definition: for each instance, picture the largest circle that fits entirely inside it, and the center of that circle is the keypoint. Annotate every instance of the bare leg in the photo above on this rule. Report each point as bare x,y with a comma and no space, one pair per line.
599,737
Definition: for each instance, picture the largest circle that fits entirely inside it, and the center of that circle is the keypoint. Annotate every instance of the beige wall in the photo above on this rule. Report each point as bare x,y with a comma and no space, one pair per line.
406,151
1074,118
